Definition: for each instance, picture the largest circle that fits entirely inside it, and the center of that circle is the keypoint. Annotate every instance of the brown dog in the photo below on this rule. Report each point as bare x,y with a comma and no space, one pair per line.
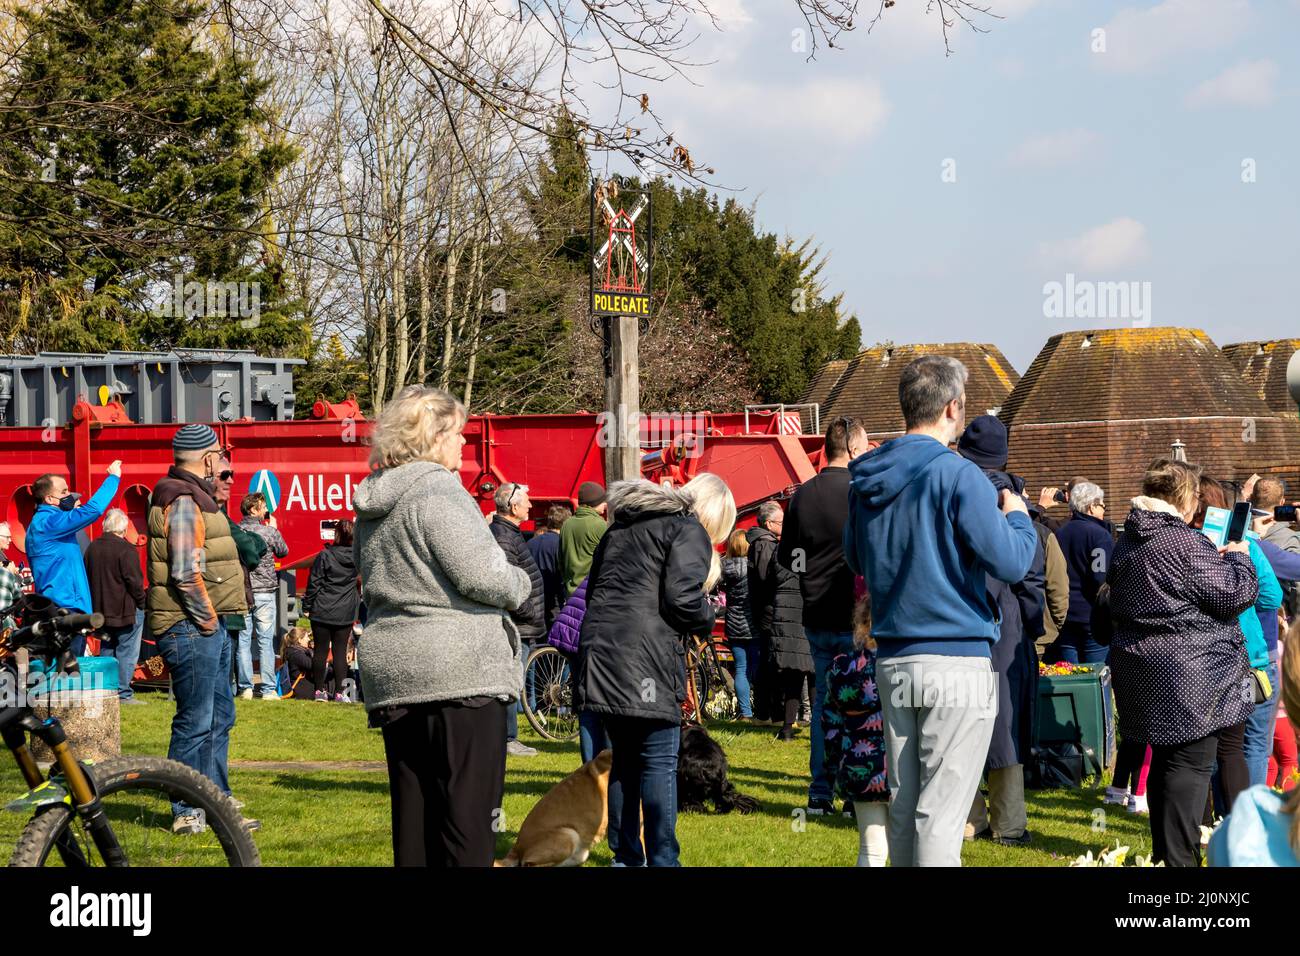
566,823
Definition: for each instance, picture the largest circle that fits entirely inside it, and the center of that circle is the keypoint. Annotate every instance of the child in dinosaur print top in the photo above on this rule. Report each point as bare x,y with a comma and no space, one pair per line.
855,738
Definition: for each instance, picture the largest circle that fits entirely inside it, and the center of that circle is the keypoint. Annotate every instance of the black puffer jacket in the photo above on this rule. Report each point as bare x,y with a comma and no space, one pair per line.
777,602
1178,656
332,596
735,582
644,593
531,616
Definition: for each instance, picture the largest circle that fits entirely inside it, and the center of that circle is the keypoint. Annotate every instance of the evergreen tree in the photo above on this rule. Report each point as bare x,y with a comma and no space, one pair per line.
130,157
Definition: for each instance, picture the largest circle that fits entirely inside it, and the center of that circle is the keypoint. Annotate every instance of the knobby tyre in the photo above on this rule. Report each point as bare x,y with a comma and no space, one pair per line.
136,793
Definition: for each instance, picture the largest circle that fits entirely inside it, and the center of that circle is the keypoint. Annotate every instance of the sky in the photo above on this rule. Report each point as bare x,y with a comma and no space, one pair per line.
1151,144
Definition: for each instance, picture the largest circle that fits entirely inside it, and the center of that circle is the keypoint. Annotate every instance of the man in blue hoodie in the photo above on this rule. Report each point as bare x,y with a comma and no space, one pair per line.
924,529
58,568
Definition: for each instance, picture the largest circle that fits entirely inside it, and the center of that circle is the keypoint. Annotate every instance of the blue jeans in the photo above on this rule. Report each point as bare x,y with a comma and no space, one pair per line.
123,643
261,622
592,738
205,706
748,654
825,646
1075,645
1258,744
644,775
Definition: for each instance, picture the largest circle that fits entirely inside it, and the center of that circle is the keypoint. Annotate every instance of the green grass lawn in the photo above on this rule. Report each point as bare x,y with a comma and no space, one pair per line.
316,817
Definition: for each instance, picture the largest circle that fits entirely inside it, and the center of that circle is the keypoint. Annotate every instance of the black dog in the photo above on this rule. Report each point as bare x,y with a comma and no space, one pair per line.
702,775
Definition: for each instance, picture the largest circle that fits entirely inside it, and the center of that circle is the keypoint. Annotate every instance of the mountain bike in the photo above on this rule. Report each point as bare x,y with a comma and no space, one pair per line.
114,813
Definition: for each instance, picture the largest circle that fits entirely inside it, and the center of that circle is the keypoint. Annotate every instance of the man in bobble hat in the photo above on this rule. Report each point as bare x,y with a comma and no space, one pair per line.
194,578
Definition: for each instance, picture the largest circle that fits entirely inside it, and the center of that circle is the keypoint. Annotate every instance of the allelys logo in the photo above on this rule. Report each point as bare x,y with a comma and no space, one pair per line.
310,492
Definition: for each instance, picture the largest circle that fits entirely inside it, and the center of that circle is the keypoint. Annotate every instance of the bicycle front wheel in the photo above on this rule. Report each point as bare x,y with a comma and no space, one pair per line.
548,695
137,794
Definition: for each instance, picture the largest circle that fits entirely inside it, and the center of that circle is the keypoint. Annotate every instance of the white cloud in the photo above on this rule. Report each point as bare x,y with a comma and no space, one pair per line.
1055,149
729,14
1250,84
1121,242
821,111
1140,38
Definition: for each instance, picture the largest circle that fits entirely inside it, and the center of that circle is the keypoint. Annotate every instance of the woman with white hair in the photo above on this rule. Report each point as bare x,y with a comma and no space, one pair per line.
645,593
1087,542
117,592
440,660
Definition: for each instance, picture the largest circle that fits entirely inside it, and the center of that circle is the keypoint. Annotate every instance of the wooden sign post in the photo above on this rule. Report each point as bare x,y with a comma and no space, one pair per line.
619,301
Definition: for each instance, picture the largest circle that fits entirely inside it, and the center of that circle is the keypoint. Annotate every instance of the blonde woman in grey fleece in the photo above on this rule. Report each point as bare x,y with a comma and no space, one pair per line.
439,660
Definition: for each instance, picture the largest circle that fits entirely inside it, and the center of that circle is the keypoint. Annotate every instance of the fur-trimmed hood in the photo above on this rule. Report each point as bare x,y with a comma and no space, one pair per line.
636,500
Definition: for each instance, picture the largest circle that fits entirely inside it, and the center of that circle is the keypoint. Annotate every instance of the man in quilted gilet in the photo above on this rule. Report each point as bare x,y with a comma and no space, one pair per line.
194,578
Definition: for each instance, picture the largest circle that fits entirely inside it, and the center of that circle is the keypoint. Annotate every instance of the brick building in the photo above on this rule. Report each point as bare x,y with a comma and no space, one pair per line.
1104,403
866,386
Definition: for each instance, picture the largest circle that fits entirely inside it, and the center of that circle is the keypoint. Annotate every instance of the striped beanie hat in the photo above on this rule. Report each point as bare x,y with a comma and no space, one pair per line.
194,438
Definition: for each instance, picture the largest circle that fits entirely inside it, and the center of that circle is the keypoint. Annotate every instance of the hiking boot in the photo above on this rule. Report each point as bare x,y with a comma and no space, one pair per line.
189,823
515,749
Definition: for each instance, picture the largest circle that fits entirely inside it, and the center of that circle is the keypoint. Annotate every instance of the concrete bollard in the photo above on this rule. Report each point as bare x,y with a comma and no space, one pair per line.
87,706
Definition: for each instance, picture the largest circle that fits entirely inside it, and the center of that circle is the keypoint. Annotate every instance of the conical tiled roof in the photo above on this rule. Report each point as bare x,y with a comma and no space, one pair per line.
1263,364
867,387
1104,403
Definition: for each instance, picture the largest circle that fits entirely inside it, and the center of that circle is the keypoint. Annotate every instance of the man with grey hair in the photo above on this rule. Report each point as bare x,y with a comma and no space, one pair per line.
925,528
11,586
117,592
513,506
1087,543
764,538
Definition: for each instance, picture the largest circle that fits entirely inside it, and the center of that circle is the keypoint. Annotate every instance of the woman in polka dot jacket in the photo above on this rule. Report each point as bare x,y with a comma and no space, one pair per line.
1178,654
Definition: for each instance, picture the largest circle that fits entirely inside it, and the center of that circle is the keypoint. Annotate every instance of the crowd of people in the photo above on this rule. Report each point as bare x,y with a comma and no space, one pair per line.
894,609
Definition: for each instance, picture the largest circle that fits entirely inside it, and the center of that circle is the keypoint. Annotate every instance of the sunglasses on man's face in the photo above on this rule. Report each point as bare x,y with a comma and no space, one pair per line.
226,475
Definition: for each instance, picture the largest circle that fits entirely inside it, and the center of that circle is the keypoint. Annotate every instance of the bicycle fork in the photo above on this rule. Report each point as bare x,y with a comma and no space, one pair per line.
84,797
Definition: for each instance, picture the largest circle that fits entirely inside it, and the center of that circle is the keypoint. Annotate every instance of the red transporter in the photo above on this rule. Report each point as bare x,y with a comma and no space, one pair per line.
308,469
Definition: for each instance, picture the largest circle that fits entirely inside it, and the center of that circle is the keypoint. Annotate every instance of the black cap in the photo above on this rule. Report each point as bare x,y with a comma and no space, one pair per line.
984,442
590,494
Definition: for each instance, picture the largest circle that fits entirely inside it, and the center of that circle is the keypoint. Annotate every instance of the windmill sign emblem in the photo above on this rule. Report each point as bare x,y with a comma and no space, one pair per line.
620,265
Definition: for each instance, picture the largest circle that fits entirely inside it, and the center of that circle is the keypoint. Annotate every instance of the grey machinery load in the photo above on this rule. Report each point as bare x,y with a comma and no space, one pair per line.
194,385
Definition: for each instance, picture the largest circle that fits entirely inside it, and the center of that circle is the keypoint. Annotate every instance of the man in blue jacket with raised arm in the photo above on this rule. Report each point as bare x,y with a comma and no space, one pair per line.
58,569
924,528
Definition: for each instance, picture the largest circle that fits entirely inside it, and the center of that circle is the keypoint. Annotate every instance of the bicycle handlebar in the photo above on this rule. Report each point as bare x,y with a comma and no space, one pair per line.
63,625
